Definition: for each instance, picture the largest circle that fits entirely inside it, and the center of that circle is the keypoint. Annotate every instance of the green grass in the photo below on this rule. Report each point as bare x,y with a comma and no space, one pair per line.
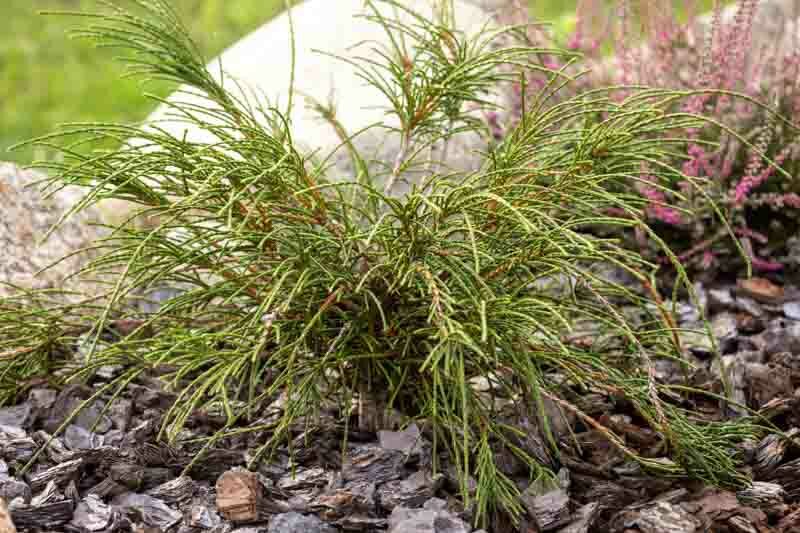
47,79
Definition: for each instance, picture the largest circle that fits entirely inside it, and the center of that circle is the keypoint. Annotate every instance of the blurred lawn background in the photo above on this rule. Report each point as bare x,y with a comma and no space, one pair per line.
47,79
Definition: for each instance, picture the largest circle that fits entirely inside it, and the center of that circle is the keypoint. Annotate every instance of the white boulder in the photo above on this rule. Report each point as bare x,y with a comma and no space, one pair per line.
262,62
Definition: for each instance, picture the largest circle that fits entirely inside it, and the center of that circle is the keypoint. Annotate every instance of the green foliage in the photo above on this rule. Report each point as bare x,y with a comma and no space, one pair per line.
38,331
309,285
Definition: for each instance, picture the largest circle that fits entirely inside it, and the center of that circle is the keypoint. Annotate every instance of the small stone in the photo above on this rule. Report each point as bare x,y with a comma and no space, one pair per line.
78,438
298,523
761,290
92,514
792,310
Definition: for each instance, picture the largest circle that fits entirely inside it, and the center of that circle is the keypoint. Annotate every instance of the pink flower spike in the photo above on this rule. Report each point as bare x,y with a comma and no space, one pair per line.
764,265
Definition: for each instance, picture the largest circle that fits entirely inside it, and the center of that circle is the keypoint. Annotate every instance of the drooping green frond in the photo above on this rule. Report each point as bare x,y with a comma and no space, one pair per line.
291,288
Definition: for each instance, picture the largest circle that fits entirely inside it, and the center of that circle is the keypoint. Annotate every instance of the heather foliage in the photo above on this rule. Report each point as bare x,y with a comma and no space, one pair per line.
741,161
304,289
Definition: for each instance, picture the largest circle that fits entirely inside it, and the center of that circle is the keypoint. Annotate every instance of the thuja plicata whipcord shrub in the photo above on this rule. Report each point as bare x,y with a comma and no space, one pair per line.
741,163
304,284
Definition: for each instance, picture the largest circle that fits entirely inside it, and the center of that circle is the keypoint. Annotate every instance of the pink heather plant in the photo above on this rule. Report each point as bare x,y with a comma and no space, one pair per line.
651,47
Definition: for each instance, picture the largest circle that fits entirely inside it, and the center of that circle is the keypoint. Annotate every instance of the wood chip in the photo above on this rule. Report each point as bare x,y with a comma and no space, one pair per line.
762,495
45,516
6,524
549,510
60,474
238,495
761,290
178,490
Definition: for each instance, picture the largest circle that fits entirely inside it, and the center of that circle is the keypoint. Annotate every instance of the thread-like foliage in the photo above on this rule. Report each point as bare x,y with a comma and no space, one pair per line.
314,286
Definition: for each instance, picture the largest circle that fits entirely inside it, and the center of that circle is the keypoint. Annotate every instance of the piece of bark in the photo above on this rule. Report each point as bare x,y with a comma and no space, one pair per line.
216,462
582,519
158,454
658,517
549,510
769,454
6,523
362,523
740,524
92,514
373,463
762,495
413,491
46,516
20,450
139,478
60,474
176,491
239,495
787,476
305,478
50,494
108,488
354,498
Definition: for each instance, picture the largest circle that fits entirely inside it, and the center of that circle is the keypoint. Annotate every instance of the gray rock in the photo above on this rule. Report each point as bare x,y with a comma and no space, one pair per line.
261,64
792,310
78,438
298,523
27,217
